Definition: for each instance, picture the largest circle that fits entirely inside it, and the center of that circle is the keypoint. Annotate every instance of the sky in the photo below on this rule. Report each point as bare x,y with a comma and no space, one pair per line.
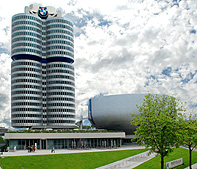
121,47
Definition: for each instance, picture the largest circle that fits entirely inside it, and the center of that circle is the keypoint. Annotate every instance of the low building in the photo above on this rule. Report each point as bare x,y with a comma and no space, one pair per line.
3,130
64,140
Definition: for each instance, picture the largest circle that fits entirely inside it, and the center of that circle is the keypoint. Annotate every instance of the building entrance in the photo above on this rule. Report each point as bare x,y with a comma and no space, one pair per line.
43,144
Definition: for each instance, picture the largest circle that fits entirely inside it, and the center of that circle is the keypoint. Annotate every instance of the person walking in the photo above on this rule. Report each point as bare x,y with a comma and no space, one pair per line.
53,150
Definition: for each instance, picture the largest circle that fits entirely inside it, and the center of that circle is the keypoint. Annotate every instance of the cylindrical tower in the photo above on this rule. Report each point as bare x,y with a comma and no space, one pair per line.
26,91
26,37
60,72
60,45
60,94
26,88
43,86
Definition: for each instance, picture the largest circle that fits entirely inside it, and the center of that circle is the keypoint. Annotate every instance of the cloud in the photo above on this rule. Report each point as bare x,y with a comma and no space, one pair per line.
161,46
121,47
5,91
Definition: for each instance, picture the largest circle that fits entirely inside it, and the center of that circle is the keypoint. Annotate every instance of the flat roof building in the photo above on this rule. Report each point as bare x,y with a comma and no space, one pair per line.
65,140
42,71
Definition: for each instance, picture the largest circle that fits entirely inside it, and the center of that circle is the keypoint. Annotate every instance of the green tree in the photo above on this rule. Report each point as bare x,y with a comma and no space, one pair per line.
189,133
157,124
4,143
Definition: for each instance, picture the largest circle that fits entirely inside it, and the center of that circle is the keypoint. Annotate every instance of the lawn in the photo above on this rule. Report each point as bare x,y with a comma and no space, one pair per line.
66,161
176,154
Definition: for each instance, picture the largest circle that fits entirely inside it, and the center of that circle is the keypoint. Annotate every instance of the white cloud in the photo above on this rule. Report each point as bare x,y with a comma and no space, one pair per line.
5,81
123,47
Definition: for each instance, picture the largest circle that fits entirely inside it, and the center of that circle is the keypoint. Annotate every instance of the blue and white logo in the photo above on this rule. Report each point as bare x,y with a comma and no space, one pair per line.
42,12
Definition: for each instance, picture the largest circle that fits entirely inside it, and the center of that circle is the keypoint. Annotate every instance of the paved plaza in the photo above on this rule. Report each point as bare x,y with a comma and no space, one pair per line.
67,151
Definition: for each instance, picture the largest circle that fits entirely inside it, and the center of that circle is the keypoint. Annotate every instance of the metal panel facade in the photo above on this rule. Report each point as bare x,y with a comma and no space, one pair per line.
114,112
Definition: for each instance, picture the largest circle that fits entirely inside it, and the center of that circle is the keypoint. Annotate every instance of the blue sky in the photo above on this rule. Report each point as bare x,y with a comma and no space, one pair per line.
127,46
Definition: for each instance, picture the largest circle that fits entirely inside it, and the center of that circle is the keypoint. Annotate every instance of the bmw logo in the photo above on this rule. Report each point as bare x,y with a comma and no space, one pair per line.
42,12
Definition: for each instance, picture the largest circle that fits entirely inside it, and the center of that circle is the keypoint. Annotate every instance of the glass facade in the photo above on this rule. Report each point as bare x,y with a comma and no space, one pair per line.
84,143
42,78
22,144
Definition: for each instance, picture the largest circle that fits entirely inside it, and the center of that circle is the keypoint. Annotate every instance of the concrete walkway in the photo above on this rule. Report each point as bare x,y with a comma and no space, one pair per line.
194,166
67,151
130,162
134,161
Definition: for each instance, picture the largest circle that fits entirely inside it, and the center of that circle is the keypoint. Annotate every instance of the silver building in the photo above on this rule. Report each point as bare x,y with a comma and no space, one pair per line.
114,112
42,78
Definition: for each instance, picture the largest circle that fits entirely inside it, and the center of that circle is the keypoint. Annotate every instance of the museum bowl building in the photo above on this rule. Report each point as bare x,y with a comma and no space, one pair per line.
114,112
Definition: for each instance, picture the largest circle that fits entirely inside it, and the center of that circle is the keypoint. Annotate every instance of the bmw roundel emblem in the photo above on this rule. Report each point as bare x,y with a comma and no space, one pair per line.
42,12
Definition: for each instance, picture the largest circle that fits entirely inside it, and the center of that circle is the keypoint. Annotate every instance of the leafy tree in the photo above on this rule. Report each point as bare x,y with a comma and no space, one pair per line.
4,143
157,124
189,133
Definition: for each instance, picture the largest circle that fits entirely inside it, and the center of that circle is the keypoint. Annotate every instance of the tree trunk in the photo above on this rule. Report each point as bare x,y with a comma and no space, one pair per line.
162,161
190,157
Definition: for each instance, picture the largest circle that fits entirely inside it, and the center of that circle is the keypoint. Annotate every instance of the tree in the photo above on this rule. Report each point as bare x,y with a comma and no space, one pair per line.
157,124
3,143
189,133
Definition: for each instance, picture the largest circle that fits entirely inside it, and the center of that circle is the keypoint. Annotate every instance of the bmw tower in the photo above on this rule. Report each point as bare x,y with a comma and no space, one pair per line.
42,71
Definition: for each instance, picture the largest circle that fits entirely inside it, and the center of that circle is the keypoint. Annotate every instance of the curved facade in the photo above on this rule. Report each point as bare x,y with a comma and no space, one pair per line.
26,91
26,36
114,112
43,85
59,40
60,93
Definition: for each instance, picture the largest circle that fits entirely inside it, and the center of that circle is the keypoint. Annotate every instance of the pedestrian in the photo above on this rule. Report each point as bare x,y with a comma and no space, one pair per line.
14,148
29,149
33,148
53,150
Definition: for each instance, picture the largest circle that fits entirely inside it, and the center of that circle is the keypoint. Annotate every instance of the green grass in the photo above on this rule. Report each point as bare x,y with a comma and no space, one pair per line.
176,154
66,161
